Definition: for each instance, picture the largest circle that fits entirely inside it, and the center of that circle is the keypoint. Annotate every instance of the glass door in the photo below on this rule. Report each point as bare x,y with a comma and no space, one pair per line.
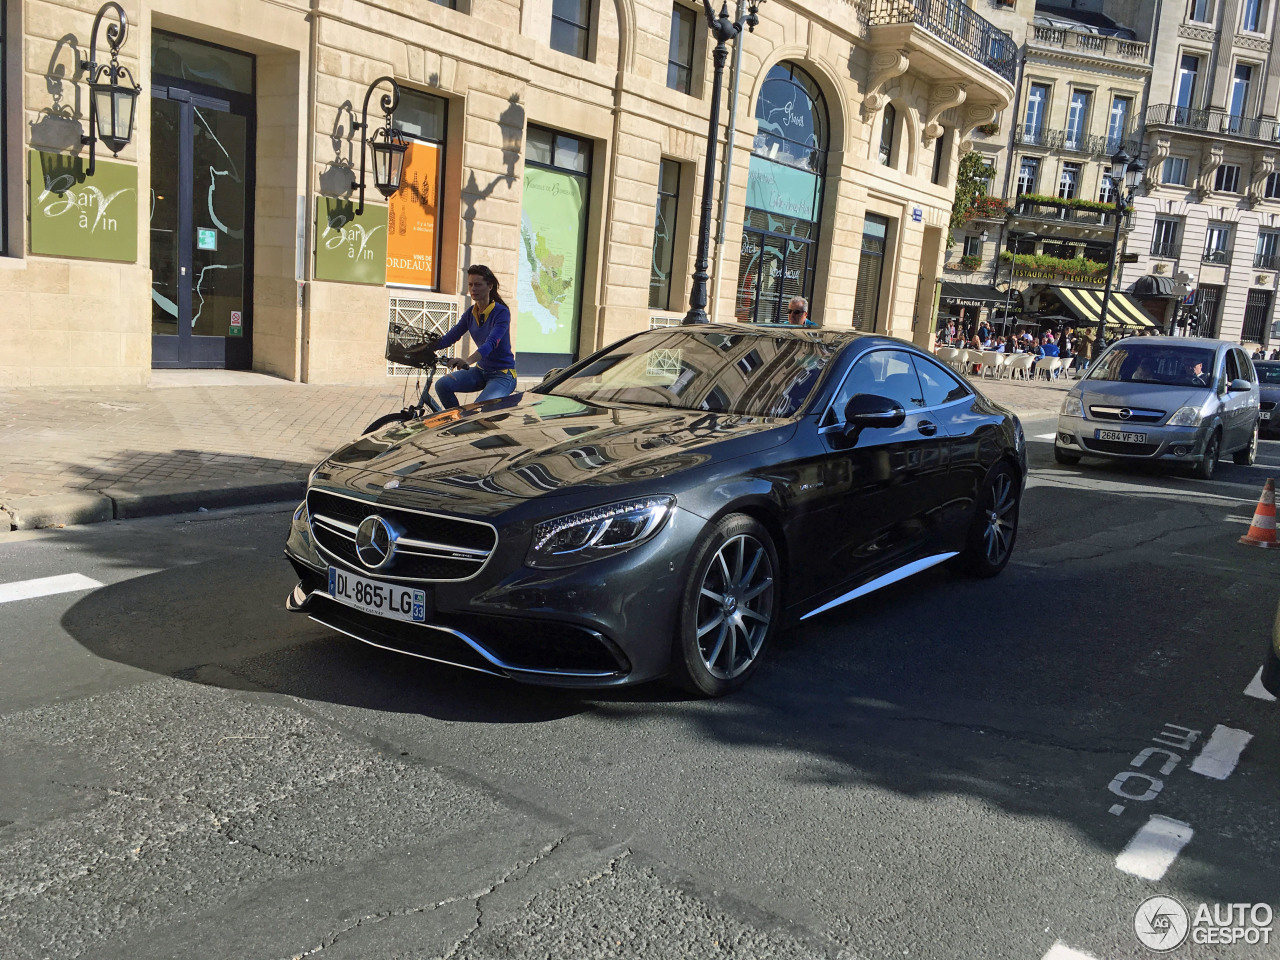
200,215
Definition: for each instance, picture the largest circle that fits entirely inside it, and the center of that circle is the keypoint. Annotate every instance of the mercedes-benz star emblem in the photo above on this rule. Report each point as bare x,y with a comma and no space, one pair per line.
375,542
1125,413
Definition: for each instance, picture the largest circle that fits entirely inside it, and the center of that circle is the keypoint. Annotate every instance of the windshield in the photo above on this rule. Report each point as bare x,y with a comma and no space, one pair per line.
741,374
1175,365
1267,372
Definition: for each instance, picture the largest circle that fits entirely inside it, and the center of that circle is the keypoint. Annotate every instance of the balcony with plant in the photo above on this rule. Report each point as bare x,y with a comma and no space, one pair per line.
1059,266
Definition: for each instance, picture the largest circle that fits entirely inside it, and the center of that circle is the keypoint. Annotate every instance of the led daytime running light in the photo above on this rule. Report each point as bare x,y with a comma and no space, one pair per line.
596,526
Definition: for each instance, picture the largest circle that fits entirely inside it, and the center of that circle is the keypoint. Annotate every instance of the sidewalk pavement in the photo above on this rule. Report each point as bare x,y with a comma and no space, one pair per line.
213,438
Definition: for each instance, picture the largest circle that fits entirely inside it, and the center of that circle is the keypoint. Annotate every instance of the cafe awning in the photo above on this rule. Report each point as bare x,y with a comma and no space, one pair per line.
971,294
1123,310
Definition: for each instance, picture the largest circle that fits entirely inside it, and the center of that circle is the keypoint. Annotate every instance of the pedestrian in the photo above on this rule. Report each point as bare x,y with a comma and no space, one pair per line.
488,320
798,313
1085,349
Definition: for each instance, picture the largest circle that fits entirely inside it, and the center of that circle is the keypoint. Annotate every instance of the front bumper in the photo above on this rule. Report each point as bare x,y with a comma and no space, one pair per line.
598,624
1181,444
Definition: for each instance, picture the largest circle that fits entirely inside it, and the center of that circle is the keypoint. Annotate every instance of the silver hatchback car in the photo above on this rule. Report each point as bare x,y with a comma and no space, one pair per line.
1163,398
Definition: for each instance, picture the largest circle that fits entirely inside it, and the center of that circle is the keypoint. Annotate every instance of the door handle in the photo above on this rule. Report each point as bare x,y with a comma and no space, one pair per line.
927,427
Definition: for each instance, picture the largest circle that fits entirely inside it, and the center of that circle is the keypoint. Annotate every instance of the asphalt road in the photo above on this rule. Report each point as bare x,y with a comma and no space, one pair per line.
947,769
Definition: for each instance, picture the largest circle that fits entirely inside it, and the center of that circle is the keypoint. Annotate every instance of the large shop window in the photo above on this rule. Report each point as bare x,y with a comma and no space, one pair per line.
413,214
784,196
553,231
664,235
866,304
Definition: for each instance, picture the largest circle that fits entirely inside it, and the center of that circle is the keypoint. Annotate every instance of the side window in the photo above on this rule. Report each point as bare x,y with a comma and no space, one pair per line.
939,384
884,373
1230,369
1245,366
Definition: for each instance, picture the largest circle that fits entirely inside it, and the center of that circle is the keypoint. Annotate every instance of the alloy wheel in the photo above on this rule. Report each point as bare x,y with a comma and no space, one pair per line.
1001,519
735,606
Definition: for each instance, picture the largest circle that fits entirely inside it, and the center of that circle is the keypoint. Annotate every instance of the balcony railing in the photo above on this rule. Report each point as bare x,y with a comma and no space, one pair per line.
1216,256
1092,44
1169,249
955,24
1069,141
1031,210
1213,122
1266,261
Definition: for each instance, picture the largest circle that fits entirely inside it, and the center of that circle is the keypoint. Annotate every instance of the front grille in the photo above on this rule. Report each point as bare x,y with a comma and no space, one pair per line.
1117,446
433,547
1135,415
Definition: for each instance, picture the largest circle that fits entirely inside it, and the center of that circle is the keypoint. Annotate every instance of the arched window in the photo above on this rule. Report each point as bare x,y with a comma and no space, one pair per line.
784,196
886,134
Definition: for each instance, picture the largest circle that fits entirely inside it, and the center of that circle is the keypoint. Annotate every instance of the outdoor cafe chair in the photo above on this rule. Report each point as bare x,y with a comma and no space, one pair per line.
948,355
1047,365
1020,365
991,363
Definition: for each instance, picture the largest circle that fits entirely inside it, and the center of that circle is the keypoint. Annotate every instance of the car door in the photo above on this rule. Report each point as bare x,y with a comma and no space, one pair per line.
1235,406
882,486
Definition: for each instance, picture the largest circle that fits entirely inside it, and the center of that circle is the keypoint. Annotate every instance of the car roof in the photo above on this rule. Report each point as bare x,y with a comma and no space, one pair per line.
824,334
1209,343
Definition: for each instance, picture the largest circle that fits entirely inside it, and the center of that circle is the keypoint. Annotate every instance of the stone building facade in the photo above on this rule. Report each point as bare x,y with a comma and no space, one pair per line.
560,143
1211,209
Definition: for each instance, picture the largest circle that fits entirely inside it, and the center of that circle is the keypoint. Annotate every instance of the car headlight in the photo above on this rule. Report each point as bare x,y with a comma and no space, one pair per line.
1186,417
598,532
1072,407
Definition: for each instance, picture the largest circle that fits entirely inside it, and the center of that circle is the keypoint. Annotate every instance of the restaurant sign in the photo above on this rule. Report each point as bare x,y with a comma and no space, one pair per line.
77,216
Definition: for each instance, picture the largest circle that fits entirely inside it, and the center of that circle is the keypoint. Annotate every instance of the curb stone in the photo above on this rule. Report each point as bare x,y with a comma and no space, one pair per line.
34,513
165,498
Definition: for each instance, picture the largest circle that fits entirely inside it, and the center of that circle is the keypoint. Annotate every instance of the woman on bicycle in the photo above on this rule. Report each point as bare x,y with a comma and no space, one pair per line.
489,322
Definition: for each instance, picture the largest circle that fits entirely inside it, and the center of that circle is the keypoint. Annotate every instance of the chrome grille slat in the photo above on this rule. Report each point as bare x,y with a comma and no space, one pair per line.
335,518
1136,414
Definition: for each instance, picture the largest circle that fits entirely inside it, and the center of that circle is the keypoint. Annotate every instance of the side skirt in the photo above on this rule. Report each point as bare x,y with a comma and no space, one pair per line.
893,576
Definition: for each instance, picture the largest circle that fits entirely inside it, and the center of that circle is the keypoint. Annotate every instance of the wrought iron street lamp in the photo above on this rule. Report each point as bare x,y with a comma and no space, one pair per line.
112,104
388,152
724,29
1126,172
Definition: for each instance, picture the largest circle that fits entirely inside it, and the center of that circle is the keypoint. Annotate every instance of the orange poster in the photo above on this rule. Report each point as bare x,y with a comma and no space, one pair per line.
411,219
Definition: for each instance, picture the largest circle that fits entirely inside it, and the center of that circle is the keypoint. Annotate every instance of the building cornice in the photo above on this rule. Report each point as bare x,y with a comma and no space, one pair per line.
1090,64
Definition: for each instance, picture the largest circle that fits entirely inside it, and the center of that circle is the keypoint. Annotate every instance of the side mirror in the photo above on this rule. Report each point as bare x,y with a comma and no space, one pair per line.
1239,385
867,411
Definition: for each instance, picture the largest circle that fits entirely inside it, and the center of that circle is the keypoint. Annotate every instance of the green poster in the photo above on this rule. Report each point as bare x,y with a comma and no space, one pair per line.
553,221
779,188
350,249
75,216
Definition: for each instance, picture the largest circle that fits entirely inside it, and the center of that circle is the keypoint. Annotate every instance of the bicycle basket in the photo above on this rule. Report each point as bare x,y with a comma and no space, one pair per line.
411,347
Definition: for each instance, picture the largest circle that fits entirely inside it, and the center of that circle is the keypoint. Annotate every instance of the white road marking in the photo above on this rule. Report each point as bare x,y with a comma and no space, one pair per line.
1116,809
1045,436
1220,754
46,586
1256,689
1154,847
1060,951
1248,520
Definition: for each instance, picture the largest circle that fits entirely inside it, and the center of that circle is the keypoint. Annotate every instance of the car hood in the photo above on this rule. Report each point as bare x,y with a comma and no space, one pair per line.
1269,391
528,445
1155,396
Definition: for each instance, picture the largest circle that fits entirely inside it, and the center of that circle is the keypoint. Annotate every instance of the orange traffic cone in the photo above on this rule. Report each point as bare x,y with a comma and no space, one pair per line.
1262,532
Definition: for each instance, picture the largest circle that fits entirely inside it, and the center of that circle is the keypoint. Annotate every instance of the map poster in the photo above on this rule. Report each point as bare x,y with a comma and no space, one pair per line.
350,249
75,216
553,222
411,219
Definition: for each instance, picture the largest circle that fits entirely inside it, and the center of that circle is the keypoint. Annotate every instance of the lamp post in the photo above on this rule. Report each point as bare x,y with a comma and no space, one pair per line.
724,29
111,104
388,153
1124,176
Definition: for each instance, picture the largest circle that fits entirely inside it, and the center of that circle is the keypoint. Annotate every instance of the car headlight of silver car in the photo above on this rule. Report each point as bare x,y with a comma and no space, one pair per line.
1072,407
1186,417
598,532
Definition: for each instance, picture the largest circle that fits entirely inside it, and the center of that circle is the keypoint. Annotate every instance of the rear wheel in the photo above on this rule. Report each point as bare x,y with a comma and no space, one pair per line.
730,608
1249,454
995,525
1064,456
1204,469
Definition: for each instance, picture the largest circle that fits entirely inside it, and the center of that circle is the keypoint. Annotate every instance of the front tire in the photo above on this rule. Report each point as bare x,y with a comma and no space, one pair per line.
995,525
1249,454
730,609
1204,469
